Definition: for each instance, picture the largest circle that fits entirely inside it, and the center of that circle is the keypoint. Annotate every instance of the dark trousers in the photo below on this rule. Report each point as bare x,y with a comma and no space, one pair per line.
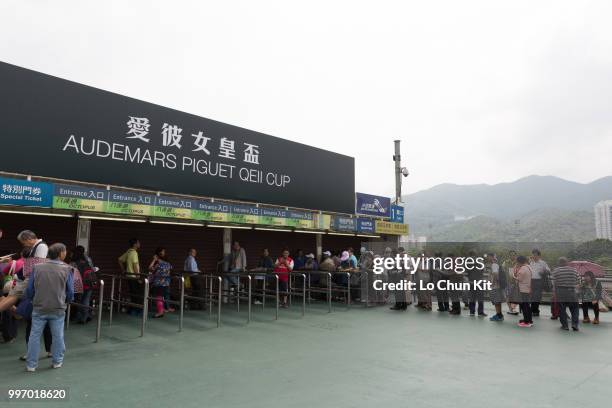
442,297
536,295
46,335
476,295
573,307
197,290
9,326
585,309
526,308
135,291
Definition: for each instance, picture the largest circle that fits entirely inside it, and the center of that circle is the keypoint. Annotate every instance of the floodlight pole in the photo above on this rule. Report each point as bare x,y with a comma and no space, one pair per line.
398,178
398,173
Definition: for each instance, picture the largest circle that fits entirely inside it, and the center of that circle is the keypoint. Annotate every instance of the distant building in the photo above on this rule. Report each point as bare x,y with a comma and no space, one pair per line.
603,219
463,217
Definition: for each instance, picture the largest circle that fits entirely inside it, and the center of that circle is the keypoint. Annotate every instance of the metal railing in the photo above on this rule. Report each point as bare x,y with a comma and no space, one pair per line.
214,292
98,309
119,300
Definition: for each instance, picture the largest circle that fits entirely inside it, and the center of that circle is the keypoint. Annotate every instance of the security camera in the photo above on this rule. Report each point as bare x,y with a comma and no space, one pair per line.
405,172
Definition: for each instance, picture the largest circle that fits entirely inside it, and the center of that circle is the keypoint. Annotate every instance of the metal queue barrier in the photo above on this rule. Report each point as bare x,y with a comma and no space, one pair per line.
264,292
120,302
98,309
216,294
208,295
331,288
180,303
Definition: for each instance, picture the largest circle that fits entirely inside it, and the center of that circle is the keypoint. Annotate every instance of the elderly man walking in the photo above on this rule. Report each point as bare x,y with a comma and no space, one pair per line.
565,281
49,288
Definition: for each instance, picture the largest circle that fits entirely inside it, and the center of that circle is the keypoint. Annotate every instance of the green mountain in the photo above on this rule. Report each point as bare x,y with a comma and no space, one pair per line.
534,208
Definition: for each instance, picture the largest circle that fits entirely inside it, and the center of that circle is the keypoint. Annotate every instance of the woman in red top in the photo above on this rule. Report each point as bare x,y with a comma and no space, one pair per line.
282,267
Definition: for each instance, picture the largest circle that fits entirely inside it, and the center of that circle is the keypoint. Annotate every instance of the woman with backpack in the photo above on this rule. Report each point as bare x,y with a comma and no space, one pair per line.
84,264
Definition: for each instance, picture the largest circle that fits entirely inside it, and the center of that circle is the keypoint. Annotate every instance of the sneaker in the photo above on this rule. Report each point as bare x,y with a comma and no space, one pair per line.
257,302
565,328
472,314
513,313
482,314
595,321
523,324
56,365
575,329
587,320
30,369
497,318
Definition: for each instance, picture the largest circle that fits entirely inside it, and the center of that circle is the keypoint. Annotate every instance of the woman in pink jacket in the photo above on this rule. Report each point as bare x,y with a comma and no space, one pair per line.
522,274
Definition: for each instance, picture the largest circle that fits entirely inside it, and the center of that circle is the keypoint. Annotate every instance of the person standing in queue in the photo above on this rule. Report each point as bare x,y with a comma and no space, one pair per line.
130,268
565,281
540,271
190,266
160,270
455,278
476,295
522,275
513,289
441,295
499,281
50,288
35,252
397,276
282,267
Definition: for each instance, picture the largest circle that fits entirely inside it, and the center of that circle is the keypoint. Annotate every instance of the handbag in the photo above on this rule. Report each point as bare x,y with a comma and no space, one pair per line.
9,278
24,308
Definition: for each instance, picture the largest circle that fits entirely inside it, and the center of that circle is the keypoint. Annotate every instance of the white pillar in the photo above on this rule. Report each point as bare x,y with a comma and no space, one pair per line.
82,237
227,241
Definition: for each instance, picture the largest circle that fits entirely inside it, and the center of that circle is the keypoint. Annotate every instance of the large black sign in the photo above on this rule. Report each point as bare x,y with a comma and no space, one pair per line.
56,128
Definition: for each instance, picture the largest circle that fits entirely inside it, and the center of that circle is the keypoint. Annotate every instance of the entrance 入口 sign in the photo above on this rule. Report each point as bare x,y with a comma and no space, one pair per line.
75,132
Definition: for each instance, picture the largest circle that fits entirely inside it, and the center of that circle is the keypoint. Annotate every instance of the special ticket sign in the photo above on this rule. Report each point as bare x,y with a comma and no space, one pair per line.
75,132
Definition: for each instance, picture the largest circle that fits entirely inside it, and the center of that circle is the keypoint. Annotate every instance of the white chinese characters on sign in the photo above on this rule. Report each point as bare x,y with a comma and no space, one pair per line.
200,142
138,128
171,135
251,153
226,148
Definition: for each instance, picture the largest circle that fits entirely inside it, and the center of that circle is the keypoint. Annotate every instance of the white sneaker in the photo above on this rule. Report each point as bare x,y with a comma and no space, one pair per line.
30,369
57,365
257,302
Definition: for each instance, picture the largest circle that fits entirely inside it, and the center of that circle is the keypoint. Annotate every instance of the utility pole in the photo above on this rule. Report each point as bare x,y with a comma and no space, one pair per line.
398,173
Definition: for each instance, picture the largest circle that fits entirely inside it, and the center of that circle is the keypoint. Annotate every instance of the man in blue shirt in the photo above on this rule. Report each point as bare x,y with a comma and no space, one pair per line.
50,287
